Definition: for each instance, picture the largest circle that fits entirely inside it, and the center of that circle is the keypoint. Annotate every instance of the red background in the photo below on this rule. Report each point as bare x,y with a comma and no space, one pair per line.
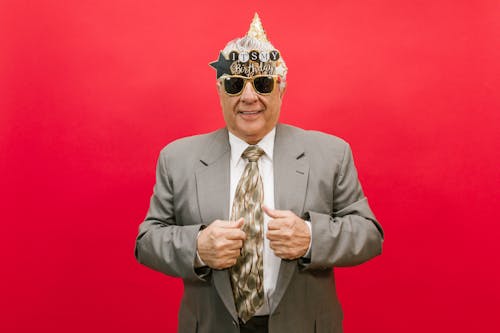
90,91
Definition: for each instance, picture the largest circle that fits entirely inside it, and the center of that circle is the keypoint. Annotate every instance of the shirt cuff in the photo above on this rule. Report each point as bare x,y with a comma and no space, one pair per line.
197,261
308,253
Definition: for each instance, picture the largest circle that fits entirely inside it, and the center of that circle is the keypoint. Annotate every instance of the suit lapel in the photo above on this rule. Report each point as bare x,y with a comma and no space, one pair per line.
212,179
212,185
291,172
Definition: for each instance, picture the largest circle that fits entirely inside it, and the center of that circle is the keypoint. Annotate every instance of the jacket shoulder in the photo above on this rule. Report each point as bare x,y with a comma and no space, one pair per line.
191,145
316,140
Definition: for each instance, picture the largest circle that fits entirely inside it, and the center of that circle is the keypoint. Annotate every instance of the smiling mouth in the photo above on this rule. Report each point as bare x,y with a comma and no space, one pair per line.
249,112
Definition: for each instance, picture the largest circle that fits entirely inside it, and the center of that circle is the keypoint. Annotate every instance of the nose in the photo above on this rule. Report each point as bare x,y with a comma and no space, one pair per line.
248,95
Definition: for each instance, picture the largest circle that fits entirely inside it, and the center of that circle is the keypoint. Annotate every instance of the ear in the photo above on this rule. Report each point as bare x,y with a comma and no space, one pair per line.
219,87
282,89
220,93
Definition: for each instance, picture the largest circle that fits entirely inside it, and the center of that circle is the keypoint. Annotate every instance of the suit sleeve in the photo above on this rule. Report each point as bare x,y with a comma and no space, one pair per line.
162,244
351,235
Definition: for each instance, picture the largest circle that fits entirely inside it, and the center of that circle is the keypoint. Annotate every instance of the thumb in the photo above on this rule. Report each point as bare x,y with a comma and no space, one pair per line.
239,223
234,224
274,213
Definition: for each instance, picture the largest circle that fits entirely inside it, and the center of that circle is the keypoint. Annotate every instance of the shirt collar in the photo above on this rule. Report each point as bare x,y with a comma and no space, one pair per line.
238,146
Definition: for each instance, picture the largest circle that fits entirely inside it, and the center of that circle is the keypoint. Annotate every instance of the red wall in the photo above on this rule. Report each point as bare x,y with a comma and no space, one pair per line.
90,91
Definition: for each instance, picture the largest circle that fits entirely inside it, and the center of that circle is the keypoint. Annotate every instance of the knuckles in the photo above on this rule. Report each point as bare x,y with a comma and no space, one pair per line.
288,234
218,245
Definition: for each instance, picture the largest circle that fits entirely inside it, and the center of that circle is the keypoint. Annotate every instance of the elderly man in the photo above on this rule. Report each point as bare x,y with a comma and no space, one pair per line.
254,216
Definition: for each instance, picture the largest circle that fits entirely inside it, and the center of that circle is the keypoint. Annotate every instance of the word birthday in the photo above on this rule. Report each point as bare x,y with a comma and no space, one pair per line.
252,68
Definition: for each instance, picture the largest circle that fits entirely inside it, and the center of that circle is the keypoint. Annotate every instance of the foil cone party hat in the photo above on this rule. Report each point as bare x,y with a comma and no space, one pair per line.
257,30
250,55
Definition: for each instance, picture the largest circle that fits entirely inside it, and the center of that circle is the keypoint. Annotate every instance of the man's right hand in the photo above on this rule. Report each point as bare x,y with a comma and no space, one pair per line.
219,244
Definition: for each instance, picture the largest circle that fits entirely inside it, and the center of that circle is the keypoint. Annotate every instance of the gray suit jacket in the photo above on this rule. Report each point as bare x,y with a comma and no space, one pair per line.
314,177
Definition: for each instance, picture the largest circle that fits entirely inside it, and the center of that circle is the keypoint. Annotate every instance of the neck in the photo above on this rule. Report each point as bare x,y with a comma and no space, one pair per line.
250,139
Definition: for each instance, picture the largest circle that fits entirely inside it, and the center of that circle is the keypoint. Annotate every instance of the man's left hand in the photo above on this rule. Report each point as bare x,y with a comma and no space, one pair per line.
288,234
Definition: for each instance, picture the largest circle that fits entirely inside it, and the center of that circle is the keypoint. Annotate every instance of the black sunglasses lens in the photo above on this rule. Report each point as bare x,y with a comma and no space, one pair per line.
264,84
233,85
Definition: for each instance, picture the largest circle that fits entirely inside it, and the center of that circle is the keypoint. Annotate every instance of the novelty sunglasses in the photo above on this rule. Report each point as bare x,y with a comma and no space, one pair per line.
263,84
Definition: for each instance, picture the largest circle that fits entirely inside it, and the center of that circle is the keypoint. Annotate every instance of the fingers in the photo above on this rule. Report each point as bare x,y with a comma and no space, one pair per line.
230,262
235,245
288,249
226,230
219,245
223,263
273,235
289,243
234,232
221,254
233,254
281,223
275,224
279,234
237,234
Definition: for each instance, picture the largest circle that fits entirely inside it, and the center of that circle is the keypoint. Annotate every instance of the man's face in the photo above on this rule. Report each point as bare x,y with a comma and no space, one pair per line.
250,116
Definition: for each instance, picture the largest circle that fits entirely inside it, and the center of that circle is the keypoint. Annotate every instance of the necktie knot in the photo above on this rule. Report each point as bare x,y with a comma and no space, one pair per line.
253,153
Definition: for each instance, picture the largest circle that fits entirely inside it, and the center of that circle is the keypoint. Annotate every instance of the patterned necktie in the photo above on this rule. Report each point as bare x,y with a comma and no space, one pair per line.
247,275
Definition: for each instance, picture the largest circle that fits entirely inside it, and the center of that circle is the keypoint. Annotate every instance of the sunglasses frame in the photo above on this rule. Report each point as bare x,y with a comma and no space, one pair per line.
276,80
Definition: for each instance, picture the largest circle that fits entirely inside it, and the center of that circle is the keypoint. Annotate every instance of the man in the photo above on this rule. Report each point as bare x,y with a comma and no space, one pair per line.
254,216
